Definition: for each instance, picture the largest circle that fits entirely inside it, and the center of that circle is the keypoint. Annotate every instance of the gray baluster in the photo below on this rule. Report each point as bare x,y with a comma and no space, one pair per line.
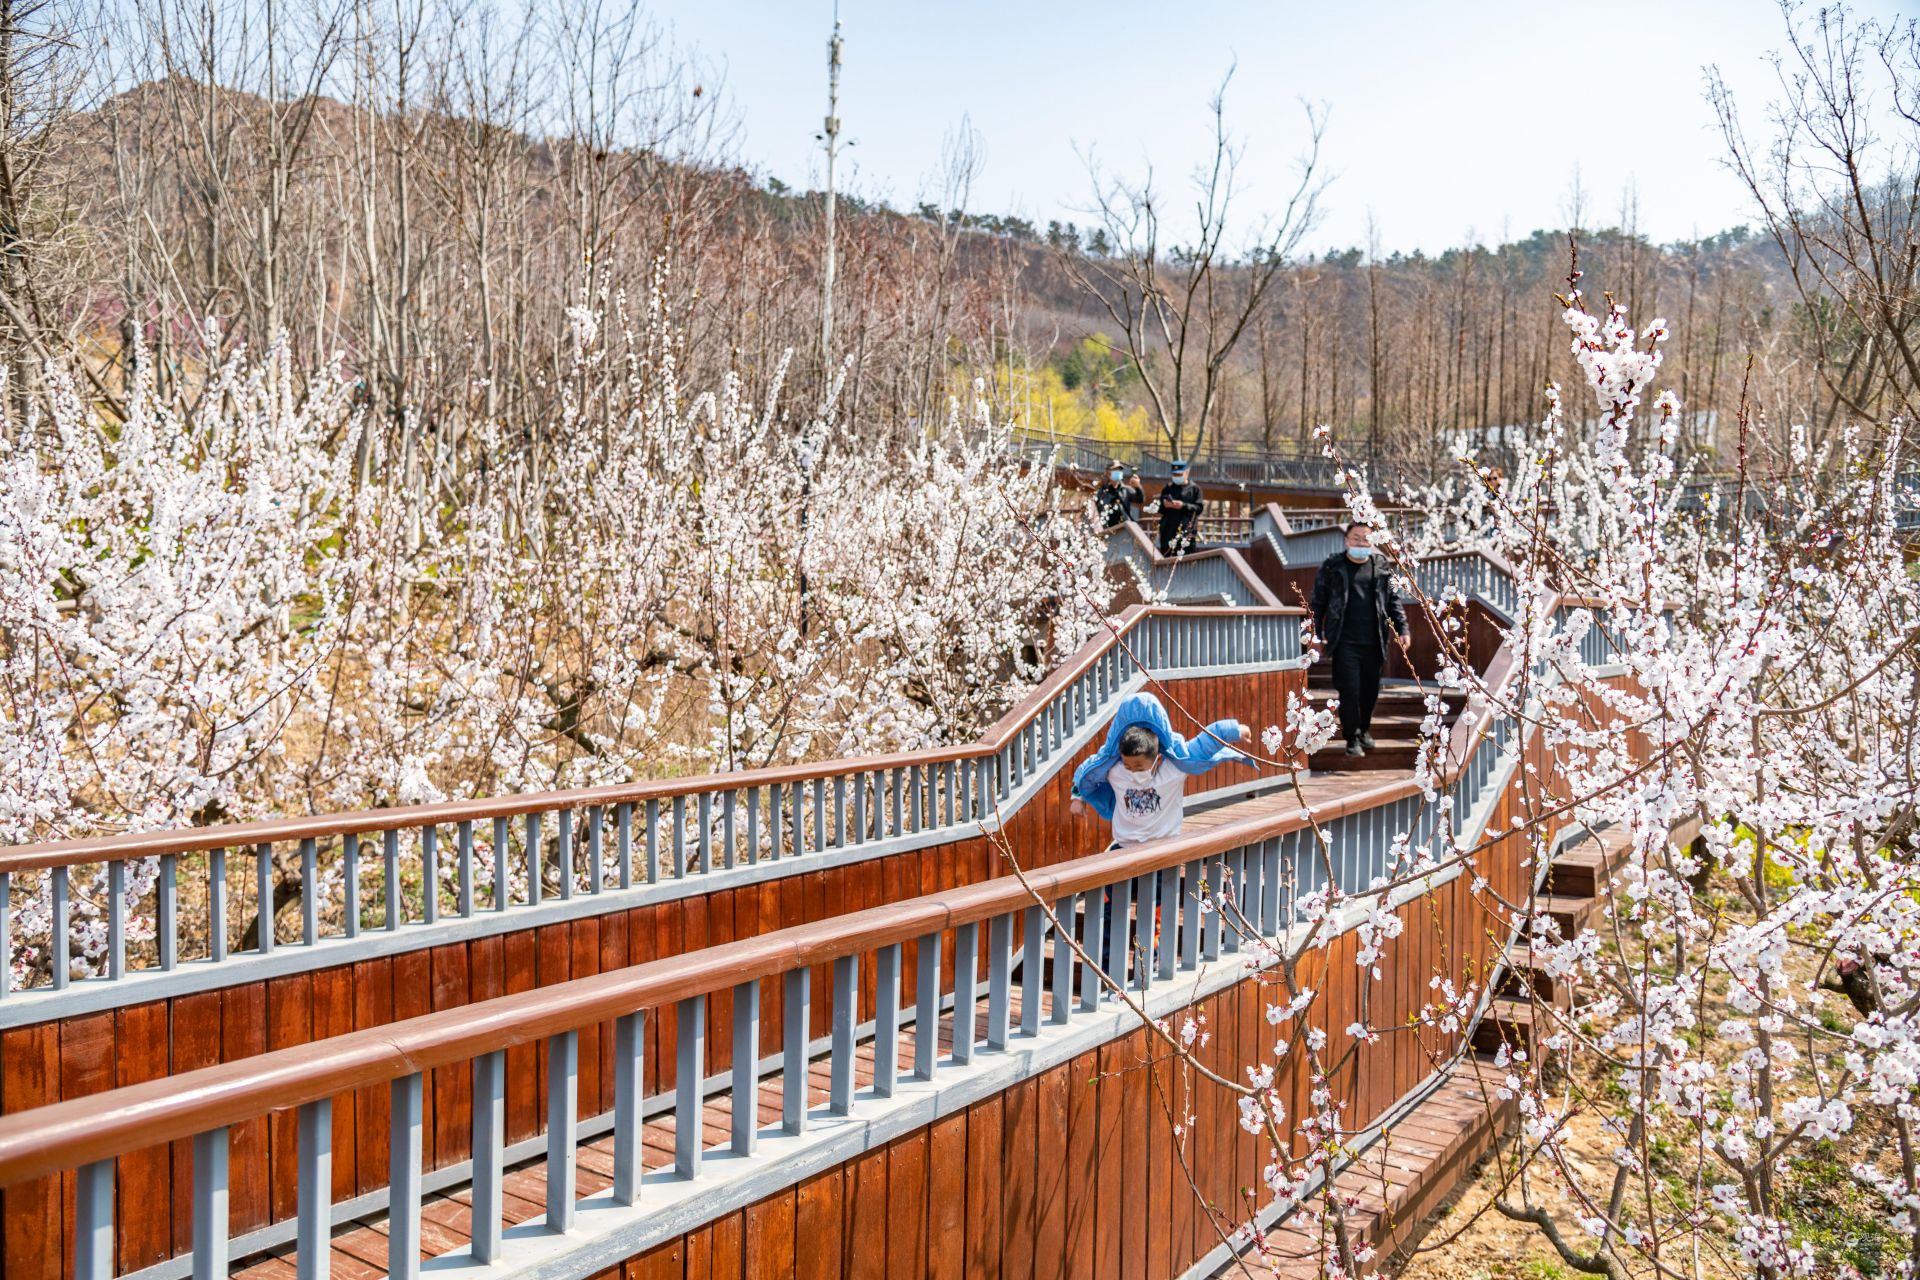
116,920
210,1154
947,779
999,980
753,825
846,1015
563,1110
563,853
746,1066
61,962
966,997
1118,935
1092,942
430,874
1231,887
596,858
1190,917
463,850
489,1153
1063,961
926,1006
1210,938
403,1179
819,813
623,847
536,862
93,1224
689,1099
263,895
502,882
776,814
216,903
1270,888
840,812
679,837
886,1021
390,888
894,824
629,1082
705,846
1143,887
653,841
729,808
314,1191
800,819
166,912
309,891
1032,971
1169,896
796,1019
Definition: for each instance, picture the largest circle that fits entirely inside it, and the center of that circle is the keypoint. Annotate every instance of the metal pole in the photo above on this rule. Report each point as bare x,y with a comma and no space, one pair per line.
831,136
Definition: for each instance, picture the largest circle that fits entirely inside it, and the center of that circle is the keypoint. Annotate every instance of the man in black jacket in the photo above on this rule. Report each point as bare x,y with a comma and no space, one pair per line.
1180,508
1355,609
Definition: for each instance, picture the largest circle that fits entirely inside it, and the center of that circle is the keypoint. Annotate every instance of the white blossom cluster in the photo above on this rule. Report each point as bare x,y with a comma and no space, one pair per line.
1753,998
245,599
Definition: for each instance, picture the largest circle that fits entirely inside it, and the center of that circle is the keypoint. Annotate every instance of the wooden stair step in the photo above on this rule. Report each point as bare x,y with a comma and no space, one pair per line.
1508,1022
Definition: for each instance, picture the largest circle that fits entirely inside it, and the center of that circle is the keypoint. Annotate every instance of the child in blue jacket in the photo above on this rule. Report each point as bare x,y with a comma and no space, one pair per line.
1138,779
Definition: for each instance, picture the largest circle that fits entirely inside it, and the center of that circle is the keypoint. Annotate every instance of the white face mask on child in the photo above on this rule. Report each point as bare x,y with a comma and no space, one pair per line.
1143,777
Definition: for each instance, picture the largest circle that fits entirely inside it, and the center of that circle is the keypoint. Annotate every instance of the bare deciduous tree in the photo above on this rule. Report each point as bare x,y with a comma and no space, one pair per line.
1838,187
1182,307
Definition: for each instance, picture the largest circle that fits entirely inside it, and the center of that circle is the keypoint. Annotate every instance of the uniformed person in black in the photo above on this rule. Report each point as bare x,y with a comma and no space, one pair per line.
1110,500
1180,508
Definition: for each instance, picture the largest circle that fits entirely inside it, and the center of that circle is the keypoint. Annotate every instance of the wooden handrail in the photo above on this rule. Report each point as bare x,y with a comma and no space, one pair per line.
240,835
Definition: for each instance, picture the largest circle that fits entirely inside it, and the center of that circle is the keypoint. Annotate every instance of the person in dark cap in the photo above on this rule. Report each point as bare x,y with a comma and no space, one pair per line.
1180,508
1110,500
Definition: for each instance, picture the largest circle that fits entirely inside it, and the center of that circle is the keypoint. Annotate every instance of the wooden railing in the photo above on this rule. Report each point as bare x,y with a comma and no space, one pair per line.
1210,530
509,853
1166,900
1217,573
1256,869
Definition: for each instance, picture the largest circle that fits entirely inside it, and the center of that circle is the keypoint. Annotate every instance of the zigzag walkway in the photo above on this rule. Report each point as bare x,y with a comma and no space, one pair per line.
588,1127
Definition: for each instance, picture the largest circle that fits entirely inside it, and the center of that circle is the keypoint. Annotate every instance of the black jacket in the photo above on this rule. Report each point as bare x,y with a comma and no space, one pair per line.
1110,502
1179,524
1330,589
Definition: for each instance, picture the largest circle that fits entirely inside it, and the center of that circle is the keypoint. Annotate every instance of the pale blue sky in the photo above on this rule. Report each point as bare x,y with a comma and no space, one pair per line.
1447,120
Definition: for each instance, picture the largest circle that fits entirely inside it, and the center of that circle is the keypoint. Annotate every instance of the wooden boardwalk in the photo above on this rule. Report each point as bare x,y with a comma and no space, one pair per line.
360,1248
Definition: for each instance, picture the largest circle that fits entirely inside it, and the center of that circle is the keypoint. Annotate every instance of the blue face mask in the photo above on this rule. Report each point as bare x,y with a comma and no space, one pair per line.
1359,555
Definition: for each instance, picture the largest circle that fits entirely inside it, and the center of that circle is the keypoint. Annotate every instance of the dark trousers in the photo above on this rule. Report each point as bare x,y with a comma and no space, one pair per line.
1356,675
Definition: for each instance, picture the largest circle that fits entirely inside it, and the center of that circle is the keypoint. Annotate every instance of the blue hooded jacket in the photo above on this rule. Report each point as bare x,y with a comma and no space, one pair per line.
1191,757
